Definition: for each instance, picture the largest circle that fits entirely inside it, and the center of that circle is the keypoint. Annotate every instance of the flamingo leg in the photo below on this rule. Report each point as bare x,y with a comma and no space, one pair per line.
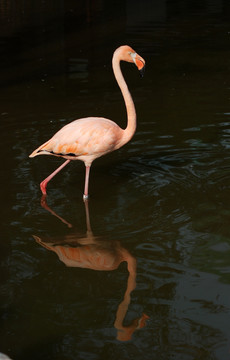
44,183
86,190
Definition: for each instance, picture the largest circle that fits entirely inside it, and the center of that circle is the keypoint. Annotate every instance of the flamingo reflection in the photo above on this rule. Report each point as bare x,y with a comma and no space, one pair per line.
96,253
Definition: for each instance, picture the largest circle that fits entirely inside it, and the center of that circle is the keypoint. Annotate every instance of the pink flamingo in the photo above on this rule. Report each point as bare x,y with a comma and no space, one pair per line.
89,138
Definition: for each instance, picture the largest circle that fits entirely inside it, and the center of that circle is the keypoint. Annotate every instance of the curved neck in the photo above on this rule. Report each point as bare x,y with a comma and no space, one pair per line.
129,104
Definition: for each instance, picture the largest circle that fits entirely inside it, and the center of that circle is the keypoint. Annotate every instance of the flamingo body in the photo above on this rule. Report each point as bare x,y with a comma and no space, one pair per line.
83,139
89,138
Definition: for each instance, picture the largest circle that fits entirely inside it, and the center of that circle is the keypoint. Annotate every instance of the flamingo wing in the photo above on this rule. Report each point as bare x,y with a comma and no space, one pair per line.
84,137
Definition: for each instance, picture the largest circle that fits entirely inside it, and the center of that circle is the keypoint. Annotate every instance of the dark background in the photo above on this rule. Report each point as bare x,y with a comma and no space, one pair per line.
164,197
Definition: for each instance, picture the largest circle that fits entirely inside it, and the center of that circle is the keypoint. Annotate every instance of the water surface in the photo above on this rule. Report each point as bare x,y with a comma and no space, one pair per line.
158,216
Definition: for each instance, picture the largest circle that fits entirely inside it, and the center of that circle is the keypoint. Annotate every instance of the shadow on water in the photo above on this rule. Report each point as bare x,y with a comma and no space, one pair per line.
159,206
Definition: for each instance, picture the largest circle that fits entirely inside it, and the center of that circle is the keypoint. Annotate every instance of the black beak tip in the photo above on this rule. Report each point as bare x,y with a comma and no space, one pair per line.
142,71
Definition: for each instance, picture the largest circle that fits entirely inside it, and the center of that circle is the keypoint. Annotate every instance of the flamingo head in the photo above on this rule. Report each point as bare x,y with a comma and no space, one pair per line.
130,55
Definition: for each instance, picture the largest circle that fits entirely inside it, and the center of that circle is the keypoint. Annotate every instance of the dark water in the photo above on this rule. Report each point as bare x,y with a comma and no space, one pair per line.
159,208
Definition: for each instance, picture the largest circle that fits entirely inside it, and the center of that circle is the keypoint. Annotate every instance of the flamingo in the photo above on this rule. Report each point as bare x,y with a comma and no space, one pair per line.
89,138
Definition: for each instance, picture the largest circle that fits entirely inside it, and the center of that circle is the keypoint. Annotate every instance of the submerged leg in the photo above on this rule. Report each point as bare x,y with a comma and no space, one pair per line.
86,190
44,183
89,230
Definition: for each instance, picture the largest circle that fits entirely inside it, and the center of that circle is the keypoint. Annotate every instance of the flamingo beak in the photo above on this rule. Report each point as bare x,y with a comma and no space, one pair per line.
139,62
